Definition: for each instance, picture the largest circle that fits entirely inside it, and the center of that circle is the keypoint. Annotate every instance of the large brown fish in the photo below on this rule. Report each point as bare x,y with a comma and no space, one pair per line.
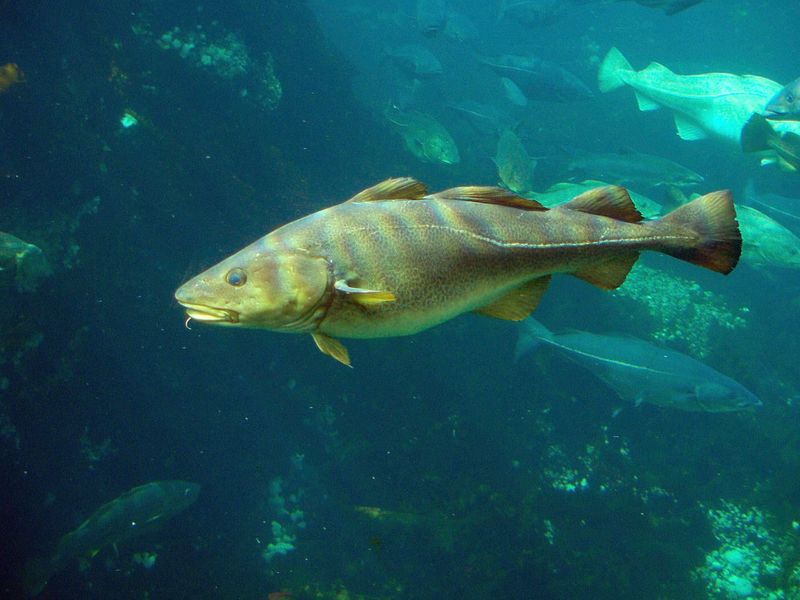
394,260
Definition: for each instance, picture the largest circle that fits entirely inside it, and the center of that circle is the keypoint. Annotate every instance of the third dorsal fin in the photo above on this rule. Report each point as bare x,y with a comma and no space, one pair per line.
610,201
397,188
487,195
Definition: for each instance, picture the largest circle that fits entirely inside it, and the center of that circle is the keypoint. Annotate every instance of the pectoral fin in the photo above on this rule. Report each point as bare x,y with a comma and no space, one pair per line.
520,302
364,296
689,130
332,347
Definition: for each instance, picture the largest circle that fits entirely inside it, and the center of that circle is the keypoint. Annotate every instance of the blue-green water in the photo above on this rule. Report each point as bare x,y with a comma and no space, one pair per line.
439,467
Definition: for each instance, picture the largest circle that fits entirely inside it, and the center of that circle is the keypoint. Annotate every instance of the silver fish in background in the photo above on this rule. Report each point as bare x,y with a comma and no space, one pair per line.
135,512
785,105
705,105
641,372
431,16
634,168
783,208
487,119
539,79
514,95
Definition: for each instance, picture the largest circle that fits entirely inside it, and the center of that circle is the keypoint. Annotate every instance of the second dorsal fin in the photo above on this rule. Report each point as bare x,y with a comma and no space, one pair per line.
610,201
397,188
487,195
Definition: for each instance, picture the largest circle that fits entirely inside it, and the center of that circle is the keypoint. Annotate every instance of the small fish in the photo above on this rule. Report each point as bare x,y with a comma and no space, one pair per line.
514,166
785,105
10,74
670,7
137,511
634,168
424,136
395,260
641,372
706,105
540,79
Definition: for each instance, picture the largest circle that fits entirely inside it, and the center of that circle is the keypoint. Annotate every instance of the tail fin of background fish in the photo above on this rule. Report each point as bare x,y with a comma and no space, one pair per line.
531,336
713,218
609,77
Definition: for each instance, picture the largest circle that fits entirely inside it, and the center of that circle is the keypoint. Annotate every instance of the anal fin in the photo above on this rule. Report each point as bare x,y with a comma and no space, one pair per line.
646,104
332,347
520,302
688,130
609,274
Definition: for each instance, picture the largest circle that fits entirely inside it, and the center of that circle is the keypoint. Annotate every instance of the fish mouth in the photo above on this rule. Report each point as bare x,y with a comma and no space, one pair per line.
210,314
775,115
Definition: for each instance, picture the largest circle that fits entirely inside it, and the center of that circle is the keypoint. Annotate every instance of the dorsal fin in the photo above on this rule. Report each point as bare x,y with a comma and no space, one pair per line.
520,302
609,274
487,195
397,188
610,201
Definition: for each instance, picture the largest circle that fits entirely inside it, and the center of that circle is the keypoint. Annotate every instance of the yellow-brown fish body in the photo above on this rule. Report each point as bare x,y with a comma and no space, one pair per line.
394,261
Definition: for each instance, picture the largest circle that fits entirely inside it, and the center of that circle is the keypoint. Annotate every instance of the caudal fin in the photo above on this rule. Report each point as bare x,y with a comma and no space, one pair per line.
713,219
610,74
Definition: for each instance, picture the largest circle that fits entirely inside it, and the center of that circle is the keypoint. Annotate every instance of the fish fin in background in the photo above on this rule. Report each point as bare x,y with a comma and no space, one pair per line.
688,130
520,302
609,76
332,347
713,218
610,274
487,195
397,188
610,201
531,335
364,296
645,104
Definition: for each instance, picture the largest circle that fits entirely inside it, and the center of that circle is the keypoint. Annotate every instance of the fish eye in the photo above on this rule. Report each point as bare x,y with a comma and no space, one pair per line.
236,277
790,98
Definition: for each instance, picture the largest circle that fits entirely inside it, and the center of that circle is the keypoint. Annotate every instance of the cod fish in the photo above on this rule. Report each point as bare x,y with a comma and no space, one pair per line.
641,372
514,166
707,105
415,60
785,105
765,242
137,511
424,136
538,78
395,260
634,168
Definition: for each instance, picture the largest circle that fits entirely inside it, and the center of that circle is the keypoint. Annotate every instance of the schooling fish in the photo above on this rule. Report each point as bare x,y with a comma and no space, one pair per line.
395,260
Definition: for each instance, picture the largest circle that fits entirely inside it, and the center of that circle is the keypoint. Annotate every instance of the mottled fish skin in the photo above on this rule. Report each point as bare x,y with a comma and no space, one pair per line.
380,268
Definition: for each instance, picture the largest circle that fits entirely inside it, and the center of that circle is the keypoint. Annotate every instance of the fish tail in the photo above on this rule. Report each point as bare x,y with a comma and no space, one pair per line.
712,218
609,76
